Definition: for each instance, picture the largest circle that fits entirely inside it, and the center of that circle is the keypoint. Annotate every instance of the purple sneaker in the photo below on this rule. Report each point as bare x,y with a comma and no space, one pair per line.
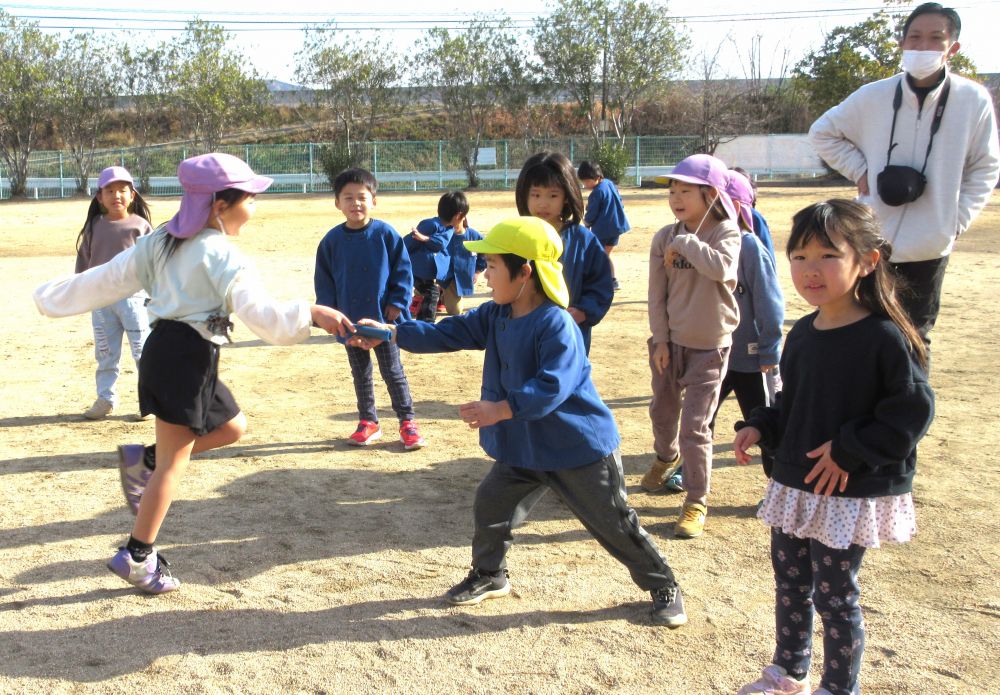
134,473
152,575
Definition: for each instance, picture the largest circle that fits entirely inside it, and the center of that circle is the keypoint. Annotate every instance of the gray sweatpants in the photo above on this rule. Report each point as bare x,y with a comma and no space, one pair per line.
595,493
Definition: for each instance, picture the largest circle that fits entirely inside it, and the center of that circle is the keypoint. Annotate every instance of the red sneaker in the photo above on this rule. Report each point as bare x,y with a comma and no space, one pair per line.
366,433
410,435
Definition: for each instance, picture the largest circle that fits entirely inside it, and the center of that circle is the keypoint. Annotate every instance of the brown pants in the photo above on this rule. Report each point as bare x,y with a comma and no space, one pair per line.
684,399
452,302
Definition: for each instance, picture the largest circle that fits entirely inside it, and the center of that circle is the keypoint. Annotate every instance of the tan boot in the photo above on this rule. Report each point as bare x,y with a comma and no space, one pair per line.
656,477
691,522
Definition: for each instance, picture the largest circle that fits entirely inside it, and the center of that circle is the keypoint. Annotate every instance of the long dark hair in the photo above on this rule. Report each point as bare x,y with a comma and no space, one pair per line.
170,243
551,169
859,227
138,206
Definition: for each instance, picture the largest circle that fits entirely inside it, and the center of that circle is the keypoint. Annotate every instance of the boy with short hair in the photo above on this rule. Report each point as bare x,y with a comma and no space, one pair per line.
428,247
363,269
540,417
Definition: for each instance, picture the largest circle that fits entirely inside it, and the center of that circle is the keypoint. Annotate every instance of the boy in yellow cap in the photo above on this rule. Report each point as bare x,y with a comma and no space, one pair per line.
539,417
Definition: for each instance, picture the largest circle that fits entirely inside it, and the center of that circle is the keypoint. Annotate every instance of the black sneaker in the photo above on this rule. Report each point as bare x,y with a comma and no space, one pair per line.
668,607
478,587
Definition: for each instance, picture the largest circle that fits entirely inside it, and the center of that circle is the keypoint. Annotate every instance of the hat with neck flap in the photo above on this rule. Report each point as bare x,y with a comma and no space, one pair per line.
535,240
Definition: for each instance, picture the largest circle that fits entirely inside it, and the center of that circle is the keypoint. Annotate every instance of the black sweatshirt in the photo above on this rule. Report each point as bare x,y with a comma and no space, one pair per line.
859,386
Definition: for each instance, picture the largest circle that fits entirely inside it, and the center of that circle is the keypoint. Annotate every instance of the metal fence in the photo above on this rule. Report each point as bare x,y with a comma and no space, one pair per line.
398,165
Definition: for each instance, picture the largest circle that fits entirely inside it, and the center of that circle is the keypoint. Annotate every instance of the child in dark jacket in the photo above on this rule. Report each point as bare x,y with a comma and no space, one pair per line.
844,433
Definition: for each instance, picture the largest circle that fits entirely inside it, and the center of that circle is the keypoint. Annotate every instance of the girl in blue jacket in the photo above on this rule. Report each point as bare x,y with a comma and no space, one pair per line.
548,188
539,416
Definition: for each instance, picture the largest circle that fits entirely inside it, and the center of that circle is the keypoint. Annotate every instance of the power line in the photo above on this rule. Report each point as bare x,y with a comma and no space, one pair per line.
278,21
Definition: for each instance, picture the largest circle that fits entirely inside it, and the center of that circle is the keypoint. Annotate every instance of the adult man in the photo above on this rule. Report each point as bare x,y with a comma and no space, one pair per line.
891,122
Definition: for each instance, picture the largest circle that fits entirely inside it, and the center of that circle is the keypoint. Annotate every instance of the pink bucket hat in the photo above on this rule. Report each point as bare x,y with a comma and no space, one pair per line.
740,189
112,174
201,178
703,170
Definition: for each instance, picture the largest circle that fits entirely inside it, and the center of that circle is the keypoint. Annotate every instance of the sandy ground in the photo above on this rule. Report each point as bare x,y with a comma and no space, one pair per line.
312,567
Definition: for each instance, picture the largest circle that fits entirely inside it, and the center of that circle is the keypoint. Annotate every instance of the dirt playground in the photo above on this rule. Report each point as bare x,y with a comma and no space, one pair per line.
312,567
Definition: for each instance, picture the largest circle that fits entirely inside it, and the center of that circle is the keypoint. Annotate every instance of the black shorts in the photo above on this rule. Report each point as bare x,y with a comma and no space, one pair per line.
179,379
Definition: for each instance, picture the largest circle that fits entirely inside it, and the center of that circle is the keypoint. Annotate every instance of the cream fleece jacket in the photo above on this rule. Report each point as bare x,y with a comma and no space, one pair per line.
691,300
853,137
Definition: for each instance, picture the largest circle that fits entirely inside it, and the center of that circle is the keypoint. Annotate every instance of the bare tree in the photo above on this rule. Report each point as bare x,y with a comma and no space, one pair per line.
358,81
146,80
475,73
83,100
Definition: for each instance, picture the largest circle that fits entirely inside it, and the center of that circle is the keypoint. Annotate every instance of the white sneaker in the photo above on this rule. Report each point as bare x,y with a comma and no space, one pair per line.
776,681
100,410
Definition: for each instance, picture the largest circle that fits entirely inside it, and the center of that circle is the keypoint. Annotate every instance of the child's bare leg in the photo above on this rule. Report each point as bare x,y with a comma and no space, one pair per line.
608,250
174,446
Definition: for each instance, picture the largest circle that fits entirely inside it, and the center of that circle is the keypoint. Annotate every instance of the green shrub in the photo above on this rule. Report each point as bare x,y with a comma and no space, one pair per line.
612,157
336,157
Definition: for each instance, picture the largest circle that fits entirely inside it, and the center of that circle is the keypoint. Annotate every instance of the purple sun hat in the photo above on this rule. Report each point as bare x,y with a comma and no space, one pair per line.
112,174
740,189
201,178
703,170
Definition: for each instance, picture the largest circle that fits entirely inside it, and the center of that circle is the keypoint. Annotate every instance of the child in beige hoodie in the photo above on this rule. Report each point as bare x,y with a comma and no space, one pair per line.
692,315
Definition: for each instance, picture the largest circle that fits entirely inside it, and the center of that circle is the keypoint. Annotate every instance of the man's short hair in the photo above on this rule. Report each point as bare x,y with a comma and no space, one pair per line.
954,22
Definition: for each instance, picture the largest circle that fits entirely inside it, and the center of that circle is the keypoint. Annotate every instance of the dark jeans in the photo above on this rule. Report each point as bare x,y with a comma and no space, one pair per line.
391,368
431,292
808,574
921,295
595,493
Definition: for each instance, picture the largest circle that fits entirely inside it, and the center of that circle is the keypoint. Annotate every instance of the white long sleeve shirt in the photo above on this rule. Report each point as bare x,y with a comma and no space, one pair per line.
964,164
205,276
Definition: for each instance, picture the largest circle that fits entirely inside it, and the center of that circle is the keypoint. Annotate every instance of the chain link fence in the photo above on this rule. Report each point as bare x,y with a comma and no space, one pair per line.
399,165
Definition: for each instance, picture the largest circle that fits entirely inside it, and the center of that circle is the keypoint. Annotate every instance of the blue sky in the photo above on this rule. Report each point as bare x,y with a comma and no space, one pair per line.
269,34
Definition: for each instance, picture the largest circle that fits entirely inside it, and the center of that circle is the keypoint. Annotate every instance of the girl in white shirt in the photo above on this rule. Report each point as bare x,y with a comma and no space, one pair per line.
195,278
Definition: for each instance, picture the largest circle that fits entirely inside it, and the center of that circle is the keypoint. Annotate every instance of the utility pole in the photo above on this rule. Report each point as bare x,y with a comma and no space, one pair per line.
604,79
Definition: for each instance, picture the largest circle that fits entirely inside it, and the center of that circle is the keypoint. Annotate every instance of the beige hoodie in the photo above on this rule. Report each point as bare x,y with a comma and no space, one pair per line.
691,302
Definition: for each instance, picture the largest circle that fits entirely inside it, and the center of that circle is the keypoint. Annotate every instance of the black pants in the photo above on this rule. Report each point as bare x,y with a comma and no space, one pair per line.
751,391
431,292
595,493
921,295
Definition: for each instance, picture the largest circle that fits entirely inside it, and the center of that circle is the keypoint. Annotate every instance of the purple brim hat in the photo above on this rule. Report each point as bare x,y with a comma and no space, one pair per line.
740,189
201,178
703,170
112,174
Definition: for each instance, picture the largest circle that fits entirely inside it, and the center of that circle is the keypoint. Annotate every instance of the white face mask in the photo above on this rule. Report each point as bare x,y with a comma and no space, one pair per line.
922,64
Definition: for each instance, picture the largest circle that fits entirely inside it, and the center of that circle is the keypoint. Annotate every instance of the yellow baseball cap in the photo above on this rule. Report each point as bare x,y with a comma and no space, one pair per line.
535,240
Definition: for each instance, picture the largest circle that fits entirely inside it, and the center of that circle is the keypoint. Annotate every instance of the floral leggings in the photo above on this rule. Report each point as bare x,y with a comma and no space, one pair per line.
808,574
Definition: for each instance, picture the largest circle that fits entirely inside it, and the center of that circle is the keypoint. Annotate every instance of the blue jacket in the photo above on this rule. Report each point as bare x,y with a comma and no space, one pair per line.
537,364
757,338
464,263
587,271
430,258
605,214
361,272
763,233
